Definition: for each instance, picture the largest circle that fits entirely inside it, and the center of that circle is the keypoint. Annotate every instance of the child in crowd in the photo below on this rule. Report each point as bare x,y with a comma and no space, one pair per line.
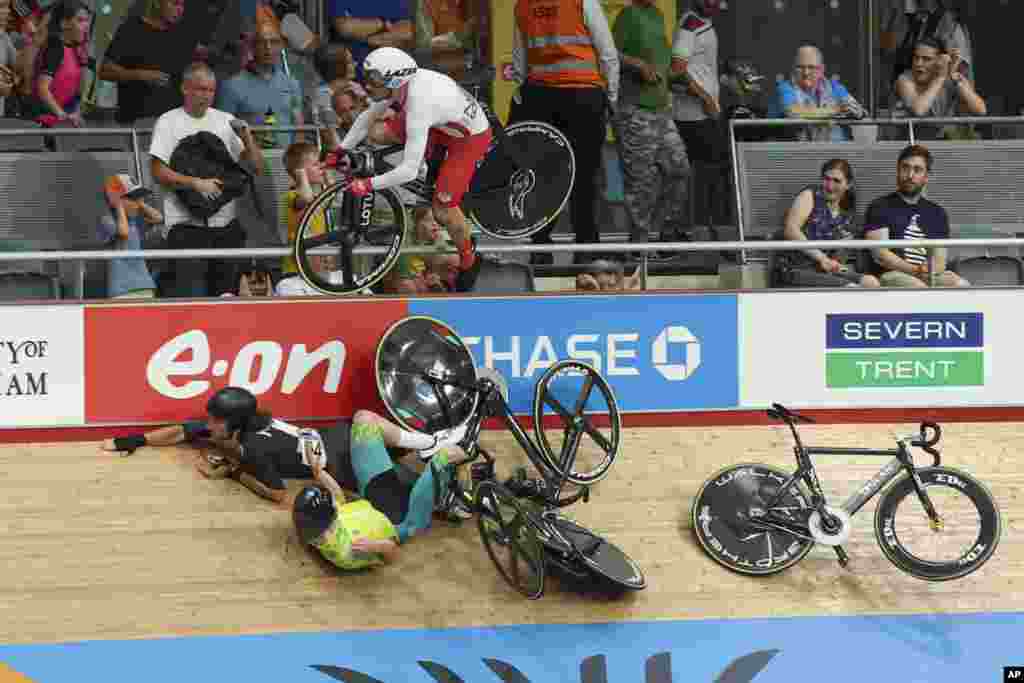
123,228
425,273
308,177
607,276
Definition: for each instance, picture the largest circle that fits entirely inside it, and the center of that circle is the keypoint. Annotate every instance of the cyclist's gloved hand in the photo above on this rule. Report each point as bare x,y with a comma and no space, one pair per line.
360,187
339,160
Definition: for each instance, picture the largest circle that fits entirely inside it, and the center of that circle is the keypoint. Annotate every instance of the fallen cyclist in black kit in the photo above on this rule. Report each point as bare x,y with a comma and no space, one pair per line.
261,452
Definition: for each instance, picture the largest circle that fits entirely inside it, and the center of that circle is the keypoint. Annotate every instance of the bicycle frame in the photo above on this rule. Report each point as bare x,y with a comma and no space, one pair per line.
522,438
901,460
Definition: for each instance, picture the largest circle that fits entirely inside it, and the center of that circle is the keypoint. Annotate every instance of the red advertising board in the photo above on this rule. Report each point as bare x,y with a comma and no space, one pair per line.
302,359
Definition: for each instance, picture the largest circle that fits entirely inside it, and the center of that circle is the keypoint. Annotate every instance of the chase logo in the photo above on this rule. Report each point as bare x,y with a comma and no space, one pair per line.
672,353
660,353
904,350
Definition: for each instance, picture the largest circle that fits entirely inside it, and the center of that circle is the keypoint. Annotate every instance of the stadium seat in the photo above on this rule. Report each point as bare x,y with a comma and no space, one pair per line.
498,276
991,270
15,285
20,143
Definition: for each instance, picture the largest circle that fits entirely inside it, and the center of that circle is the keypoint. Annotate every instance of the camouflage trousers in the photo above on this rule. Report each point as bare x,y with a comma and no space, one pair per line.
655,170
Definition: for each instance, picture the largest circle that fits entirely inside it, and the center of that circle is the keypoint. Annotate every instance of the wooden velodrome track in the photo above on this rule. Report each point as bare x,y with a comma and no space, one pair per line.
97,546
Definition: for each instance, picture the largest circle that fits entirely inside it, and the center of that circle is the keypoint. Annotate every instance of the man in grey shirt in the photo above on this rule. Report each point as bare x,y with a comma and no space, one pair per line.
936,86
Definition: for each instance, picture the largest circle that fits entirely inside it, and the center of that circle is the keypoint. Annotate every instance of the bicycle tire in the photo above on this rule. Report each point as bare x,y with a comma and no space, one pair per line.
503,203
979,552
491,499
391,235
720,531
610,446
602,559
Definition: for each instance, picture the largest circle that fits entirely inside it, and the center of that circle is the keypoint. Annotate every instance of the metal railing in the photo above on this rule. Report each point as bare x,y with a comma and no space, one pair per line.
642,249
611,248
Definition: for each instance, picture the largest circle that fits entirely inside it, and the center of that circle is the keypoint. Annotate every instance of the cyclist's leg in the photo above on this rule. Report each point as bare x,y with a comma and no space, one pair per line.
393,435
453,181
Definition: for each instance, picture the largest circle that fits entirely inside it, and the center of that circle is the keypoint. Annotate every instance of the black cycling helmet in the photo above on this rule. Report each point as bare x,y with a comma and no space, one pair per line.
313,512
234,405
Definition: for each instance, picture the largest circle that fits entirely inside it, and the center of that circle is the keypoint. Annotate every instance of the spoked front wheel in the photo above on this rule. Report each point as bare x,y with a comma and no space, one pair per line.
965,537
335,225
510,539
723,519
523,183
580,401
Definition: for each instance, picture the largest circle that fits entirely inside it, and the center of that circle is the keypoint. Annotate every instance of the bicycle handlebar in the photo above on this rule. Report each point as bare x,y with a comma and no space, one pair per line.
781,412
928,444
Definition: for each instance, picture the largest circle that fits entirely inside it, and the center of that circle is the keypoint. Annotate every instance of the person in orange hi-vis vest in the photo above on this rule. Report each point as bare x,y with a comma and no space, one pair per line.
567,67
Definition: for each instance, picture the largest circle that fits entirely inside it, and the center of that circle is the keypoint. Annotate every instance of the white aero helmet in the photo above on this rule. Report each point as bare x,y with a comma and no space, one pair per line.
388,67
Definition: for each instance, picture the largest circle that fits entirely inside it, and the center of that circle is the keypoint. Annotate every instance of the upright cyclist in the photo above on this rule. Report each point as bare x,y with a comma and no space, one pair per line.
429,109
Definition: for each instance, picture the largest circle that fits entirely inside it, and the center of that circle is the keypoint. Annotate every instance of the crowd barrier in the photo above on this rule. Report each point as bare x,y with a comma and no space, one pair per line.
99,365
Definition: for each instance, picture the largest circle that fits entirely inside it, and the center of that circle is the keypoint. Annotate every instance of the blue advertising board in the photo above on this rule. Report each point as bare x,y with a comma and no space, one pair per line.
937,648
658,352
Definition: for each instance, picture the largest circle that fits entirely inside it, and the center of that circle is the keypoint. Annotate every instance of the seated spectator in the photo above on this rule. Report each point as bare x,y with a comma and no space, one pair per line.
364,25
415,274
821,212
603,275
146,58
264,94
255,280
123,228
184,230
57,88
907,215
31,26
936,87
810,95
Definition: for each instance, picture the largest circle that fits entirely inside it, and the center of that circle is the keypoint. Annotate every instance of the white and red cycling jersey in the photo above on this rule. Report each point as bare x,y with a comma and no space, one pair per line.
431,108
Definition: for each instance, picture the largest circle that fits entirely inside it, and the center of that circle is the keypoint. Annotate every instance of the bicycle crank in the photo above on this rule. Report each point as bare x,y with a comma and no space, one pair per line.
832,532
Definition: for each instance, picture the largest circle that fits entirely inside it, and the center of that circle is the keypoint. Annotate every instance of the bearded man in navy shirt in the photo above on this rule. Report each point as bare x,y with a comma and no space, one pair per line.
908,215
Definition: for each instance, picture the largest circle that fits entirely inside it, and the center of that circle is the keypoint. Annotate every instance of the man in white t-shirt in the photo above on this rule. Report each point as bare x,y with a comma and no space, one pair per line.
200,277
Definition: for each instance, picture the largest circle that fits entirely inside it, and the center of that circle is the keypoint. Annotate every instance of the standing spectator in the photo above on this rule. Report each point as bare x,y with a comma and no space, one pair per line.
57,87
567,67
809,94
936,87
145,59
654,163
123,228
184,231
32,24
695,103
365,25
308,176
907,215
821,213
263,94
8,58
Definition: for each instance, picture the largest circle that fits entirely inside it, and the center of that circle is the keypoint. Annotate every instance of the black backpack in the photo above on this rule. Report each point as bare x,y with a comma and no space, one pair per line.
204,155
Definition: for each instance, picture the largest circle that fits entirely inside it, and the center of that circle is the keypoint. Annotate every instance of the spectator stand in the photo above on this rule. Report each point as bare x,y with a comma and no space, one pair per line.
975,181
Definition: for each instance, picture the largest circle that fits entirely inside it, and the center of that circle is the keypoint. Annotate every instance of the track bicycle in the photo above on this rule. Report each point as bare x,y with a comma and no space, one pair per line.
519,187
935,523
428,381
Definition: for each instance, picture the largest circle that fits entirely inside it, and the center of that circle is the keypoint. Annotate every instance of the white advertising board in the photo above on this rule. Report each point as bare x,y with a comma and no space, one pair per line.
42,373
924,348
